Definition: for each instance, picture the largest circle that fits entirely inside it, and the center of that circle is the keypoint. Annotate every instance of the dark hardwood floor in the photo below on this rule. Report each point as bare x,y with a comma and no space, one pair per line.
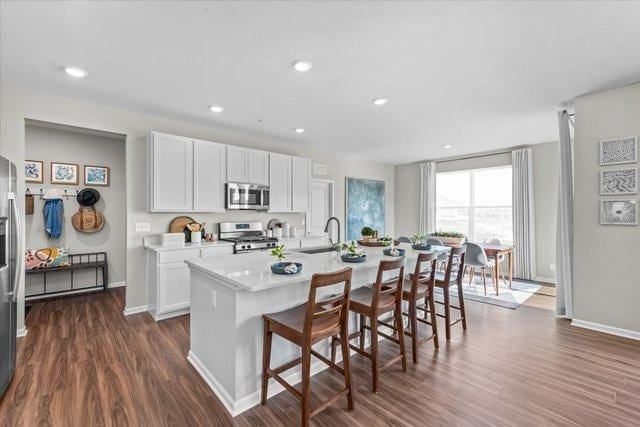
83,363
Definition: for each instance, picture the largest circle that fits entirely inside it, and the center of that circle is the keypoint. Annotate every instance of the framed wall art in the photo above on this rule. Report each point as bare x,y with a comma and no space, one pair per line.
64,173
619,181
619,151
619,212
33,171
365,206
96,175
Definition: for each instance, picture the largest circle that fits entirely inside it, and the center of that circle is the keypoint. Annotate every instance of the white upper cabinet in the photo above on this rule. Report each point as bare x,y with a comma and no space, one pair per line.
245,165
209,172
300,182
258,167
279,183
236,164
170,173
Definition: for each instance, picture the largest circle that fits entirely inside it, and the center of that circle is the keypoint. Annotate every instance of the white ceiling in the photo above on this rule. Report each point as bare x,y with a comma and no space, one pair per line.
479,76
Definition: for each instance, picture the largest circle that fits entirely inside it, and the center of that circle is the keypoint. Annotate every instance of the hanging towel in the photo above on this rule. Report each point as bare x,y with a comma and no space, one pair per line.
53,218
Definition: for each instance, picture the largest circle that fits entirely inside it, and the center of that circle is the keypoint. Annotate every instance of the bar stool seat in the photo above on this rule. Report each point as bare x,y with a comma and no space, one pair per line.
421,291
291,322
362,298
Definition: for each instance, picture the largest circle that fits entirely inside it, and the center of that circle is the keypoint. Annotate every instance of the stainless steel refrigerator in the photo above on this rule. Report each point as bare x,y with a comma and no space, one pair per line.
10,265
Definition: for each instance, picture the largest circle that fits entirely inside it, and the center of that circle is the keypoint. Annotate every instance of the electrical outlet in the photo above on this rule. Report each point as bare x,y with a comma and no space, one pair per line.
142,227
552,267
213,299
302,222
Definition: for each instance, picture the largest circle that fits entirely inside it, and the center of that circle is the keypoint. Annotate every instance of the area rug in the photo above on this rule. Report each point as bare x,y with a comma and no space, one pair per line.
511,298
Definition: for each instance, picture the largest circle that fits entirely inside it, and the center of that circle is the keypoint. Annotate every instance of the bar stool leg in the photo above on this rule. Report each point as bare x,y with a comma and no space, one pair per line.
434,325
447,313
400,329
413,321
361,341
374,352
306,383
463,313
346,365
266,360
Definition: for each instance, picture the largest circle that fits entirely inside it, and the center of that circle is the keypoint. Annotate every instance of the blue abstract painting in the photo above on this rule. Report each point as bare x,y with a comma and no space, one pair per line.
365,206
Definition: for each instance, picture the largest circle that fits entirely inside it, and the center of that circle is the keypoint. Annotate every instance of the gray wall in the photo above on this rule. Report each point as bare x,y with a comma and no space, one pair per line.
545,170
607,258
59,145
16,105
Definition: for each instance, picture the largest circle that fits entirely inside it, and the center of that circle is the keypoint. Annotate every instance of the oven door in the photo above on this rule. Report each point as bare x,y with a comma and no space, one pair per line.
245,196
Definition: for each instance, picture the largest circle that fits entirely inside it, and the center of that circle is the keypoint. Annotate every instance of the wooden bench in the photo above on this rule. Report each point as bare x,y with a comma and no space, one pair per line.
97,260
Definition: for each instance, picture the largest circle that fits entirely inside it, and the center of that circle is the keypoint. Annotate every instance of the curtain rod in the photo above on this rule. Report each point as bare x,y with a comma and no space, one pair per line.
477,156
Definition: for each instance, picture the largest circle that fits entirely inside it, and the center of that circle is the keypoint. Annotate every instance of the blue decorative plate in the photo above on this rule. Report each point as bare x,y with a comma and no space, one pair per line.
388,252
279,267
419,247
355,259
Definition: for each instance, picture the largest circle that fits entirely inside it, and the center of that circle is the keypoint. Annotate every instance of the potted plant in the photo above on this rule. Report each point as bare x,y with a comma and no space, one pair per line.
419,238
282,267
366,232
452,238
386,241
352,254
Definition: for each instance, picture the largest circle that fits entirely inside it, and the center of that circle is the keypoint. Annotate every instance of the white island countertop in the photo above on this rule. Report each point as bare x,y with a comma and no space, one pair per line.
252,272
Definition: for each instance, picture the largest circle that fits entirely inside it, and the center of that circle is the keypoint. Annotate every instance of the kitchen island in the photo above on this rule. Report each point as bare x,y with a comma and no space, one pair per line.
229,295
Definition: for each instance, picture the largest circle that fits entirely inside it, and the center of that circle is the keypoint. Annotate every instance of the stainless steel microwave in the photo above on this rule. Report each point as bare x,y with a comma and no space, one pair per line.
247,196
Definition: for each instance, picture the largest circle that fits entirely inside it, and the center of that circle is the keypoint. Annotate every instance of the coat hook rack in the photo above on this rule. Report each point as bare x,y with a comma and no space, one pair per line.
41,192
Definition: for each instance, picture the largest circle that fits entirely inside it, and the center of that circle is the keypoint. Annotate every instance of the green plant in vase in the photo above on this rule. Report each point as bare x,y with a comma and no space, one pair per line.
419,238
278,252
352,249
282,267
386,241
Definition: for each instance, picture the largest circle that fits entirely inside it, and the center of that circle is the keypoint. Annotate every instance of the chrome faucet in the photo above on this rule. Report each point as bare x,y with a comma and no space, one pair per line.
326,230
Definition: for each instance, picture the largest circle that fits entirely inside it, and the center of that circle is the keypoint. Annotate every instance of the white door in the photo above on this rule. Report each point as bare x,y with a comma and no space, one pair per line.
279,183
321,199
300,176
172,173
257,167
209,172
236,164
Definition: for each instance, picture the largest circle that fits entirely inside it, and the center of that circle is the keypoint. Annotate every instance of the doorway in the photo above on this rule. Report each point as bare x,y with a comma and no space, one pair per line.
322,206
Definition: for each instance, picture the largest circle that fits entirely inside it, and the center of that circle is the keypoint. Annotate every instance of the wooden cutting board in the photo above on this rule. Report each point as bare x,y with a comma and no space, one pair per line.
178,224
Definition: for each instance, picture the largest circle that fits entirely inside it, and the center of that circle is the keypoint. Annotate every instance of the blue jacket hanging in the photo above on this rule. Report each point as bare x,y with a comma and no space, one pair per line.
53,217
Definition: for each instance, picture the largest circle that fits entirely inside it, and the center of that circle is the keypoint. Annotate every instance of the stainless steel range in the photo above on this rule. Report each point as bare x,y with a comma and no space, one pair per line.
247,236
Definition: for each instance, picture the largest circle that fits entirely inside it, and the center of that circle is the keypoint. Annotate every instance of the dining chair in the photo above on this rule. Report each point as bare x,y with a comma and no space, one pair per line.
501,257
403,239
305,325
477,258
384,297
443,256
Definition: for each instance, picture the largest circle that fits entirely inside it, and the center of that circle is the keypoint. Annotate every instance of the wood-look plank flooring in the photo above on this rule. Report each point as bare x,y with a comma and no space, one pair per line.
84,363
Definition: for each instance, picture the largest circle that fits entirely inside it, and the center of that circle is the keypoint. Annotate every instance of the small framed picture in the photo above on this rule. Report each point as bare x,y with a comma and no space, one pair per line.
618,181
96,175
619,212
64,173
33,171
619,151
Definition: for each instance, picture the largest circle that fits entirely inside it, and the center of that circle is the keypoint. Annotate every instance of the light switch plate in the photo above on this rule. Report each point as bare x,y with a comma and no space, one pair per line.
213,299
141,227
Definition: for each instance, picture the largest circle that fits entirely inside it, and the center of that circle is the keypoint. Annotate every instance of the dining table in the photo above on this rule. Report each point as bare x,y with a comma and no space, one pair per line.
497,251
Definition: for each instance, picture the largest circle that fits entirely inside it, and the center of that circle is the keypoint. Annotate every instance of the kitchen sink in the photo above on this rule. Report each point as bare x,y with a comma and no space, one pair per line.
318,250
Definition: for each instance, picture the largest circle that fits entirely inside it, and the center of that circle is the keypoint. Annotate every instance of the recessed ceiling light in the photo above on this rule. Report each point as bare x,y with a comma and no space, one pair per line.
446,146
216,109
380,101
299,130
75,72
301,65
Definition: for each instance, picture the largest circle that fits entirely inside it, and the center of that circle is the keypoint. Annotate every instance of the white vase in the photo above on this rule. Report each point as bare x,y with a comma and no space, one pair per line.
196,237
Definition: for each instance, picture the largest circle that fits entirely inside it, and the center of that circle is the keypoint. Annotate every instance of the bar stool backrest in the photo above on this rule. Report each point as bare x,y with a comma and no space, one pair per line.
456,259
422,267
332,312
391,287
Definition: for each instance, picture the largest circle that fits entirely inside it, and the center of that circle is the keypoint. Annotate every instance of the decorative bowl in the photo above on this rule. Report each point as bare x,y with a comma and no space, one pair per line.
388,252
281,267
353,258
421,247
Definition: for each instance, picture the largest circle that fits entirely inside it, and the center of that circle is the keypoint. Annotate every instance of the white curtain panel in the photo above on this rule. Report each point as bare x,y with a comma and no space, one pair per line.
564,226
427,197
523,216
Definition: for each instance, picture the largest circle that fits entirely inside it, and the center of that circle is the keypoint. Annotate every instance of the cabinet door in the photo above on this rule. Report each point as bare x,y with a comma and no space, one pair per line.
257,167
236,164
173,287
209,172
172,165
301,179
279,183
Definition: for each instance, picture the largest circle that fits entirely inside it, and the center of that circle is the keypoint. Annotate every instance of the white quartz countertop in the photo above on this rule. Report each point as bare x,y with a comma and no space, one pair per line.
160,248
252,272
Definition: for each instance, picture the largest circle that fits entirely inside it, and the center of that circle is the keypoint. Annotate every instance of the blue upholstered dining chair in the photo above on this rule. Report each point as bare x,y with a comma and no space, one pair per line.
477,258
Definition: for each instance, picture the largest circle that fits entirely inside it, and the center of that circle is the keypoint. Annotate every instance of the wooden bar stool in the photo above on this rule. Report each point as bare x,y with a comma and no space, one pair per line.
306,325
419,286
454,265
384,297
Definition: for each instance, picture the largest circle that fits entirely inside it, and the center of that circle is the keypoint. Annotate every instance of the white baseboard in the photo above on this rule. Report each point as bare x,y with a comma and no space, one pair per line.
612,330
134,310
169,315
22,332
116,284
545,279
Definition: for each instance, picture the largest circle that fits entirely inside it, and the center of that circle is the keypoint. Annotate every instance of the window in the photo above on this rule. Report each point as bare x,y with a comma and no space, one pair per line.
476,202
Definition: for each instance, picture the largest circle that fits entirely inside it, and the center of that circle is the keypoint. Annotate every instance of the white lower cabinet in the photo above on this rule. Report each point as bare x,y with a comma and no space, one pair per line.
168,278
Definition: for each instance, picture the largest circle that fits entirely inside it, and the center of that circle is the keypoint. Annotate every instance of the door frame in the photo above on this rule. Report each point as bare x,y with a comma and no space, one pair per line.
332,201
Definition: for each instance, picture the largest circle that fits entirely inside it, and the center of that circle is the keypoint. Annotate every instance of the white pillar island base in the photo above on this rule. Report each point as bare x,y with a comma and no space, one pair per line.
229,295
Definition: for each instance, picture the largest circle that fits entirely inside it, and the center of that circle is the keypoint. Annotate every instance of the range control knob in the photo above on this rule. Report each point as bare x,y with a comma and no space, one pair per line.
243,247
248,246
